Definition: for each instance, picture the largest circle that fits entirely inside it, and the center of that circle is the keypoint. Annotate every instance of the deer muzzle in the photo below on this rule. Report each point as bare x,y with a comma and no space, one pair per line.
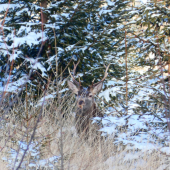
80,104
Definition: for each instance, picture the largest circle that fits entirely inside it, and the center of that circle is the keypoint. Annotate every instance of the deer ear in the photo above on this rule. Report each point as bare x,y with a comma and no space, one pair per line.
97,88
72,87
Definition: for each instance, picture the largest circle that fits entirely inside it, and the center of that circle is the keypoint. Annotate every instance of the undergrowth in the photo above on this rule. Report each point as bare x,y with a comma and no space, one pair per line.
41,134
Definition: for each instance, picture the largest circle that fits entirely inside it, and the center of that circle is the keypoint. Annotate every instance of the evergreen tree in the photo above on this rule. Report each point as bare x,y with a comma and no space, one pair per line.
153,53
142,101
68,31
21,38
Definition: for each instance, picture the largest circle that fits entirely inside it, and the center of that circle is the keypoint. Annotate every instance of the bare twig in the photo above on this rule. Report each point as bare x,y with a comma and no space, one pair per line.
33,134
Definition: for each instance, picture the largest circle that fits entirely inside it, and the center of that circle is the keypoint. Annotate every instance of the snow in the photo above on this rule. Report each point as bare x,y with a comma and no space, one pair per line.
44,162
26,29
110,130
130,156
4,7
44,100
32,38
14,87
70,47
144,1
35,64
144,146
165,150
155,15
110,3
51,59
104,11
106,94
14,55
33,152
24,10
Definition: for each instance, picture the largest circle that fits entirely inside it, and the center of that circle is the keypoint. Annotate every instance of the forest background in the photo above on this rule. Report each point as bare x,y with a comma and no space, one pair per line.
41,39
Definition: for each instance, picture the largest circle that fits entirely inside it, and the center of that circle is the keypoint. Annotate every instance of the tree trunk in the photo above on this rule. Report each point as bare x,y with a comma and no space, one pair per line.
44,16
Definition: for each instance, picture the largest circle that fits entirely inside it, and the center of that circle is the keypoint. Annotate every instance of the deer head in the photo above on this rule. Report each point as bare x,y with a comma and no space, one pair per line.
85,96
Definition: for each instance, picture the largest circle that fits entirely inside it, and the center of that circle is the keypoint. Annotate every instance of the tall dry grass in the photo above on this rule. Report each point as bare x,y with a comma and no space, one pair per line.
41,135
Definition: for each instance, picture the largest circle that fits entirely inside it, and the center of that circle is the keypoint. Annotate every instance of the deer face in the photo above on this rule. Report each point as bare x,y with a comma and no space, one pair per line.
85,96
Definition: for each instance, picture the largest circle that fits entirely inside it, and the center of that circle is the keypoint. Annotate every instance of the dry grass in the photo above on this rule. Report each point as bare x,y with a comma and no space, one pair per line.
56,144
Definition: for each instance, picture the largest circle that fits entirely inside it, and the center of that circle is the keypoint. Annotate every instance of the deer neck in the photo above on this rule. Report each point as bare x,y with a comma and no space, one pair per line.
87,112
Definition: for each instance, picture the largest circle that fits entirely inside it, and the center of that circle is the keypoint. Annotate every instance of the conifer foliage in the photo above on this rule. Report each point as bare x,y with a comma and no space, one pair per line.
141,98
46,36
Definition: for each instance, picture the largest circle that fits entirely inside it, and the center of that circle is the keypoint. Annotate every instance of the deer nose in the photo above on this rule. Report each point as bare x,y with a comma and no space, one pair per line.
81,103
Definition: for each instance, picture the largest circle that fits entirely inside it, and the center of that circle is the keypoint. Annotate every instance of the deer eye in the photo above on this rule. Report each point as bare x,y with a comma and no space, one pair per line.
90,95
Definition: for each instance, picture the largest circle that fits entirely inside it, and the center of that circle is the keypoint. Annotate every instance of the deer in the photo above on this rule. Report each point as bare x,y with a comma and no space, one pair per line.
86,107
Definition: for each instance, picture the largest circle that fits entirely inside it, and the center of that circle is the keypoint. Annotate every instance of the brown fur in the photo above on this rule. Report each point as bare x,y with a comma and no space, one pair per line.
84,125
